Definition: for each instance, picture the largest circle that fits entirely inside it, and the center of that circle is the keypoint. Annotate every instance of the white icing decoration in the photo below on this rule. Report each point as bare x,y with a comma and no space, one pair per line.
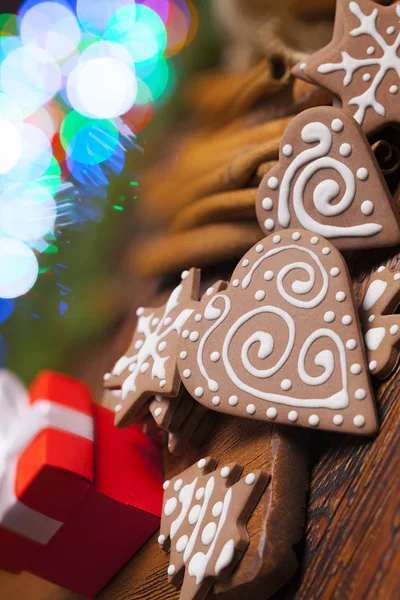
372,365
171,570
216,400
273,183
329,316
170,506
351,344
340,296
187,373
359,421
202,463
272,413
185,334
347,320
268,275
166,484
338,420
194,514
161,539
394,329
245,262
233,400
217,509
106,376
259,295
335,271
373,293
374,337
367,207
259,248
235,282
250,409
276,239
314,160
313,420
194,336
208,533
296,236
200,493
345,149
389,61
362,174
393,89
269,224
287,150
314,240
162,346
355,369
209,291
267,204
250,479
183,355
215,356
360,394
198,392
293,416
286,385
381,269
198,318
225,472
226,556
337,125
326,250
182,543
158,412
118,408
155,321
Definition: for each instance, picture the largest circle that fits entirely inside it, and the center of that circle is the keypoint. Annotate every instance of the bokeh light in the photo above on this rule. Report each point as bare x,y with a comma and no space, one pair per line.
78,80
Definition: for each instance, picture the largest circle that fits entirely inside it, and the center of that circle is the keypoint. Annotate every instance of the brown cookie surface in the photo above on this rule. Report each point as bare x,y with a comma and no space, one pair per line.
328,182
380,322
283,342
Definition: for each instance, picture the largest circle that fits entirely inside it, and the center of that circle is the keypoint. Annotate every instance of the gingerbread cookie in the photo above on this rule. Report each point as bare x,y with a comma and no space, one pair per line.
328,182
380,322
149,365
283,342
362,66
203,523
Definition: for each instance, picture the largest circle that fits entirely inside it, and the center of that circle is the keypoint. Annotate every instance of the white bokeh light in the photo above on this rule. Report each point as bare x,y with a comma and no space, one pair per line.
27,212
18,268
36,155
10,146
102,88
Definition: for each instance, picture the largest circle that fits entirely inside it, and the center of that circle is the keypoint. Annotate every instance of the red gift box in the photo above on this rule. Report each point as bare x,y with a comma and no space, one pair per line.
103,499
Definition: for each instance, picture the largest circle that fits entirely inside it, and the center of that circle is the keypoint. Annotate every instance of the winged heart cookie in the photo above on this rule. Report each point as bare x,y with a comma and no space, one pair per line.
328,182
283,343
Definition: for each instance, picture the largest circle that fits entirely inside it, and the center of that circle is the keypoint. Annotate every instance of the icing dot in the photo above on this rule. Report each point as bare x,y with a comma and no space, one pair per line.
106,376
302,66
202,463
337,125
268,275
194,514
166,484
138,344
326,250
178,485
345,149
370,50
198,392
269,224
273,183
276,239
286,384
216,400
167,321
360,394
225,472
390,30
250,409
235,282
366,77
393,89
340,296
314,240
161,539
200,493
371,319
394,329
245,262
155,321
397,277
162,346
217,509
215,356
272,413
359,421
335,271
198,317
329,316
267,203
287,150
209,291
351,344
170,506
187,373
372,365
145,366
362,174
140,311
118,408
355,369
338,420
158,397
158,412
171,570
313,420
367,207
184,274
208,533
213,386
293,416
259,248
233,400
183,355
250,479
347,320
296,235
182,543
162,383
194,336
185,334
259,295
381,269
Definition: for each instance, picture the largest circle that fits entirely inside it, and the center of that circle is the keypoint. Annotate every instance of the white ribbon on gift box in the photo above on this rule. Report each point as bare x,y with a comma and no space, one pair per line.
20,423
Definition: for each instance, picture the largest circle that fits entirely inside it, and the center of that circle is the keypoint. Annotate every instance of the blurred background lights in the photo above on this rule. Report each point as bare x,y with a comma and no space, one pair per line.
10,146
78,80
18,268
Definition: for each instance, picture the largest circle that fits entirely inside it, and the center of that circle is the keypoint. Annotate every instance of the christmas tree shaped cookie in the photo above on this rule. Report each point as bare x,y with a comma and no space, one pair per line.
362,63
283,342
203,523
328,182
380,322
